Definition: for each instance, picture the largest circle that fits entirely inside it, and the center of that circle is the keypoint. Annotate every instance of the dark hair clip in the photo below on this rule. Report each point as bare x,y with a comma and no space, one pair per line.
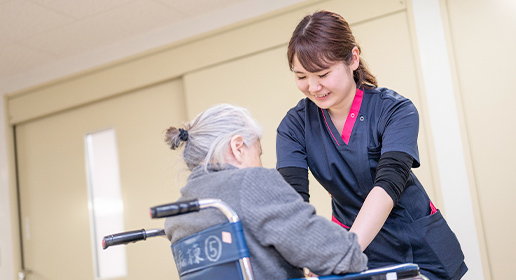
183,134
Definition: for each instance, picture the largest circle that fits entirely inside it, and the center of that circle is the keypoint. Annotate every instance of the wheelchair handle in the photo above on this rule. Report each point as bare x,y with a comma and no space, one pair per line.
188,206
130,236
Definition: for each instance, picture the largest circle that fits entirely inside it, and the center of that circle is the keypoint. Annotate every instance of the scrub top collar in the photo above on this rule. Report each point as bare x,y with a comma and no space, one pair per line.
350,120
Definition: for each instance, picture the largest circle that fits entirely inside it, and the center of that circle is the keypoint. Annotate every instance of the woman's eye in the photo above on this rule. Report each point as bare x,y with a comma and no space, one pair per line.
300,78
323,75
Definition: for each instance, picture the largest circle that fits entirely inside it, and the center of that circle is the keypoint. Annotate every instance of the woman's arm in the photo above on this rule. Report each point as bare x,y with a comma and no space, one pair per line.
391,177
372,216
297,177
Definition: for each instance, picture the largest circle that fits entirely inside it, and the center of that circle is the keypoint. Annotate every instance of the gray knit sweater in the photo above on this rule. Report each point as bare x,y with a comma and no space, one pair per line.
282,232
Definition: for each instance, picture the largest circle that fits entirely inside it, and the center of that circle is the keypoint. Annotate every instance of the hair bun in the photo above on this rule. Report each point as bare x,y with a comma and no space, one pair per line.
174,137
183,134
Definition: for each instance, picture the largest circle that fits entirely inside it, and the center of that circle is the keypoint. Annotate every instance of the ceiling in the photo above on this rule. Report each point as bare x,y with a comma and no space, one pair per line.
42,40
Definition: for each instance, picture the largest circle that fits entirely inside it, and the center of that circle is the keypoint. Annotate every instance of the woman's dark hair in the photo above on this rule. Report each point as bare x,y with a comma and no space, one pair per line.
323,38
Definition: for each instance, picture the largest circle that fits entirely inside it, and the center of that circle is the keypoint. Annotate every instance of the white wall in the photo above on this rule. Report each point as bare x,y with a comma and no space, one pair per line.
6,246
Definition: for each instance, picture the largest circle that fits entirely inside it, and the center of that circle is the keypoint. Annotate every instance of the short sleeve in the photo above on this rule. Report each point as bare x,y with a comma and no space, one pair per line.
399,127
290,140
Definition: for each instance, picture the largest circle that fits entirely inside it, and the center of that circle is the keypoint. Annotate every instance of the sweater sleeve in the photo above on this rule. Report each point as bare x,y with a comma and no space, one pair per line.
278,217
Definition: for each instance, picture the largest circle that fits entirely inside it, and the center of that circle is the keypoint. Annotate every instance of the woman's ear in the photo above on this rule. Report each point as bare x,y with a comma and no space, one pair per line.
355,59
237,148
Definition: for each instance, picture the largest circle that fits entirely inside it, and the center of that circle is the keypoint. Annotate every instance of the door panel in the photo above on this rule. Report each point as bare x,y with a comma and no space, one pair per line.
53,184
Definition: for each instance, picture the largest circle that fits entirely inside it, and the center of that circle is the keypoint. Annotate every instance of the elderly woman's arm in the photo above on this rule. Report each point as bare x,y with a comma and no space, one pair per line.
279,217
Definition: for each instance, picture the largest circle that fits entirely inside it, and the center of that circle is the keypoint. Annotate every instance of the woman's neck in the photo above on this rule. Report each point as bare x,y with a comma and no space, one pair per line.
340,111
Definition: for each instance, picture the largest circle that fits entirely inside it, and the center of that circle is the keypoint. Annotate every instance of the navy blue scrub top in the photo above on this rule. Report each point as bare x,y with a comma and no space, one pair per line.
385,122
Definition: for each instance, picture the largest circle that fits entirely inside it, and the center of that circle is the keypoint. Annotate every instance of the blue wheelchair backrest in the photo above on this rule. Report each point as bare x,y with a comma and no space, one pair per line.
212,254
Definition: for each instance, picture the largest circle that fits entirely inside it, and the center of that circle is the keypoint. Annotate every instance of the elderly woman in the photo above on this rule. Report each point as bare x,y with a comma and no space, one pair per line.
222,149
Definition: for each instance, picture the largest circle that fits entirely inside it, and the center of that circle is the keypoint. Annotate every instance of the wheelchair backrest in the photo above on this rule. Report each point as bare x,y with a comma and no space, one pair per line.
213,253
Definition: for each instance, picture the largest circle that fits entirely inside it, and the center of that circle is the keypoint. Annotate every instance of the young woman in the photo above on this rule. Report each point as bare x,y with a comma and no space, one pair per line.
283,234
360,142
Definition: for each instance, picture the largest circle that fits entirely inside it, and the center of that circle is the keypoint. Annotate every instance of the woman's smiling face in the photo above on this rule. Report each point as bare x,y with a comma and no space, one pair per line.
330,88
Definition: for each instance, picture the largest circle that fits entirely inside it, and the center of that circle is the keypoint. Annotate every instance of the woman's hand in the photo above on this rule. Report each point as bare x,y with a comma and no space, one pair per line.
372,216
308,273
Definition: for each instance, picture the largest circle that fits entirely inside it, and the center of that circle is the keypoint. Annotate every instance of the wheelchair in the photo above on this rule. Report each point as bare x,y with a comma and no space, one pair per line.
220,252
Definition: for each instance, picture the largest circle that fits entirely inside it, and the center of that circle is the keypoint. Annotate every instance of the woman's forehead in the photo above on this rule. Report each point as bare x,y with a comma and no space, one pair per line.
313,61
299,67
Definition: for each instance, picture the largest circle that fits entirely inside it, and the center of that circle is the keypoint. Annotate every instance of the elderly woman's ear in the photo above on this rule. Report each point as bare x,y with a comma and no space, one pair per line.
244,155
236,150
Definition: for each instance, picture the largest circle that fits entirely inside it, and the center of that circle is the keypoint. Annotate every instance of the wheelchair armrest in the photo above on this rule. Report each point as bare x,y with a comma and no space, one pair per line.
401,271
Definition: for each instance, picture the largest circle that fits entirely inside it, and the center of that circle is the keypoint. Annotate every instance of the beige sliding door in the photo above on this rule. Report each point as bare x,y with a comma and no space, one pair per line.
54,193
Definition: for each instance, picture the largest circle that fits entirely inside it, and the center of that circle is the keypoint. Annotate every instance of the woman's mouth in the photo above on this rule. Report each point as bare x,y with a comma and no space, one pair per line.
320,96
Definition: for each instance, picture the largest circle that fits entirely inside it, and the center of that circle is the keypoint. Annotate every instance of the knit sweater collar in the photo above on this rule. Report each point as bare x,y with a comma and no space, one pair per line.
210,168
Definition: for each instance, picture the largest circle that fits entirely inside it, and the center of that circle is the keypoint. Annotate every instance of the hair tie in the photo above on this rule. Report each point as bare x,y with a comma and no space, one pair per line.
183,134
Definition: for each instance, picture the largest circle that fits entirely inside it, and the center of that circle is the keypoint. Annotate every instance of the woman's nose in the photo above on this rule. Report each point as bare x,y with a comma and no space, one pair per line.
314,85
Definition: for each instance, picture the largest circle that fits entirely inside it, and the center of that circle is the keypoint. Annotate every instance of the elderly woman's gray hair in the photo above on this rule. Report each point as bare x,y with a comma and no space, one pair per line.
207,137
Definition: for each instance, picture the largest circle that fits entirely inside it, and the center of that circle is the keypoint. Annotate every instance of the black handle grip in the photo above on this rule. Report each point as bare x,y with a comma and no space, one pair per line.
173,209
123,238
